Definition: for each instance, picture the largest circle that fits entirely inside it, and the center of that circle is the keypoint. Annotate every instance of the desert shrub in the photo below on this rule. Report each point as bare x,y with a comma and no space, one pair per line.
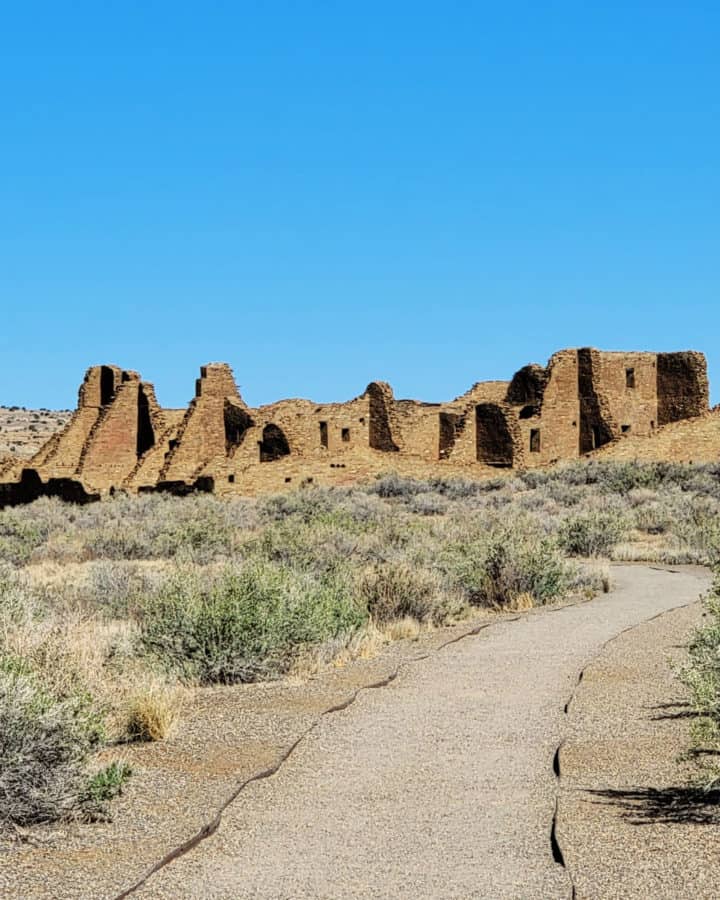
150,526
496,568
563,494
653,518
18,538
394,591
535,478
696,525
320,546
112,587
307,504
428,505
191,527
104,786
591,533
454,489
701,674
394,485
45,745
244,624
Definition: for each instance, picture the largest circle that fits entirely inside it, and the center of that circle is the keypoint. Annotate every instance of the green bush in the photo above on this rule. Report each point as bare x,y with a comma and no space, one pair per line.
105,785
701,674
697,526
244,624
18,539
591,533
496,568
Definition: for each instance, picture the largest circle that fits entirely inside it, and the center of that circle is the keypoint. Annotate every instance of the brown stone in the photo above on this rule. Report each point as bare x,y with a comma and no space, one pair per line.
583,400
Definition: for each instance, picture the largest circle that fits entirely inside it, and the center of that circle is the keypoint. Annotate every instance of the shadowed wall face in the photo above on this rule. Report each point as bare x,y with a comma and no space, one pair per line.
595,422
145,431
380,399
274,444
494,440
682,386
451,424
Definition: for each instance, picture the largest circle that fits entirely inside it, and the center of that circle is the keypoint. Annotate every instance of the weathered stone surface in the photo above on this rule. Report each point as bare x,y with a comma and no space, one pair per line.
583,400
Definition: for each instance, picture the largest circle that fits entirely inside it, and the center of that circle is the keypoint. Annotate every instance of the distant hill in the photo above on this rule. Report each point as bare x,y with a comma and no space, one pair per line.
24,431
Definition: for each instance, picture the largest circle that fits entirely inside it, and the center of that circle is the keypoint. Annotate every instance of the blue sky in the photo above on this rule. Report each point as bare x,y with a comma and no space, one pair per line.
323,194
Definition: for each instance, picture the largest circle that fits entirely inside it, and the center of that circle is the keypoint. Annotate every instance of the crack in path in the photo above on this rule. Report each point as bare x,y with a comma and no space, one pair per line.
555,845
368,790
211,826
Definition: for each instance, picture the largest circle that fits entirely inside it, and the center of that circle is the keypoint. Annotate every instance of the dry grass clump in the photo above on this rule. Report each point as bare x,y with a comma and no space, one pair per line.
395,591
152,711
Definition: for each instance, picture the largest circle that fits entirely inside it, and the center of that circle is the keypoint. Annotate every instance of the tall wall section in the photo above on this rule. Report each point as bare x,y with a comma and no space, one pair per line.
202,435
547,405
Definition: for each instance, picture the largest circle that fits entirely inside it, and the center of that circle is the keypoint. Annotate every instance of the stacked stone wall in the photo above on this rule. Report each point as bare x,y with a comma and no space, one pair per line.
119,437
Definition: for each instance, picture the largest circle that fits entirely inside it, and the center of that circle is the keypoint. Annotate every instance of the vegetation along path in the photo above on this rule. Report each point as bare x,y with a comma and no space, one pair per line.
444,783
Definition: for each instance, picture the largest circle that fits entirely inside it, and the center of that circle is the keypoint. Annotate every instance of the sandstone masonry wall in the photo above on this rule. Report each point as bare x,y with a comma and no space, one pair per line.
581,401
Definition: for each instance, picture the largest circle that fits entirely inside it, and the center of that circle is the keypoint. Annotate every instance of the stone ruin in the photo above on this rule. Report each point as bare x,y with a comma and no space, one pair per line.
121,439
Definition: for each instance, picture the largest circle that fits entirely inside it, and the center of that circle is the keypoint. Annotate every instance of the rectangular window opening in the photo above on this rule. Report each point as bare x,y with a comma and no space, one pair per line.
231,479
625,428
323,434
345,434
630,378
534,440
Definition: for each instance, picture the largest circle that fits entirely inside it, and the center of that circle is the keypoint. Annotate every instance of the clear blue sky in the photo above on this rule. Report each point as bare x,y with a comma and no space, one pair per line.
323,194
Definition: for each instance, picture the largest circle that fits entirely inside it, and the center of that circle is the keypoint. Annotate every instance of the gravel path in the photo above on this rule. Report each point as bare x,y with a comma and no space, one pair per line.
439,785
628,824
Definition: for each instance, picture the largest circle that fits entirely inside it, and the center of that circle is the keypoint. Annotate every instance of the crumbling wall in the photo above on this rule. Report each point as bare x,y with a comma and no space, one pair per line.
202,435
124,434
527,389
123,427
545,401
148,467
418,428
682,386
238,422
383,418
463,409
583,399
63,453
451,426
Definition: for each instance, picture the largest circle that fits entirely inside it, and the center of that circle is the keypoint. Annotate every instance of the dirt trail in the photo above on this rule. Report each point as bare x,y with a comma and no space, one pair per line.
442,784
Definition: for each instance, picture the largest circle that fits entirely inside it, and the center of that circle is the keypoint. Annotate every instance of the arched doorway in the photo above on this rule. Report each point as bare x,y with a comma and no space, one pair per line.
274,444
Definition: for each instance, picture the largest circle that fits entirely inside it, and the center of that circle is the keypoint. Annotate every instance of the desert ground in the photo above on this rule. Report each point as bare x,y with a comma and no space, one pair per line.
376,666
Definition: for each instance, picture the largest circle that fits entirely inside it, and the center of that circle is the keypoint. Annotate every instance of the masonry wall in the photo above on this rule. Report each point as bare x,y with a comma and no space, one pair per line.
629,382
682,386
119,437
201,436
125,431
546,403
